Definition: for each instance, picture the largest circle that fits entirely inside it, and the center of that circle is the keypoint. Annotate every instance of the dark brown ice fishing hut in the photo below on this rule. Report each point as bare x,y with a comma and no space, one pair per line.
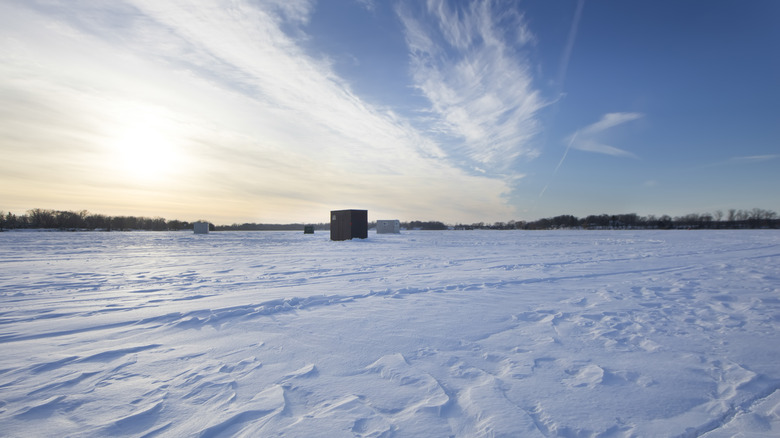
348,224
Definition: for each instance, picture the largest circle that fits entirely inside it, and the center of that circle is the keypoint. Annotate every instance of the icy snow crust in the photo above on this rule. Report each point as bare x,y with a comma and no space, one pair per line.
435,334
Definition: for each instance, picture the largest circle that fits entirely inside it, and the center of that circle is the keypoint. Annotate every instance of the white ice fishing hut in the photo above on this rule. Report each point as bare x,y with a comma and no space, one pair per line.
388,226
201,227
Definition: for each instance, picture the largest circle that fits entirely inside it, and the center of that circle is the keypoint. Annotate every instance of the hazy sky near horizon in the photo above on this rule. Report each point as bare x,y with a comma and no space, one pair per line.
282,110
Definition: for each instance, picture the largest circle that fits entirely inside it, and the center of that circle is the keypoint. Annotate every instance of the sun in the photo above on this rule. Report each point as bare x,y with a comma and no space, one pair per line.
145,153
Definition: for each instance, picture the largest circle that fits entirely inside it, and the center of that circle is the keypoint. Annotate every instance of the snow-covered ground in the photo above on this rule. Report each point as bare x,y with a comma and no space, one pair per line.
434,334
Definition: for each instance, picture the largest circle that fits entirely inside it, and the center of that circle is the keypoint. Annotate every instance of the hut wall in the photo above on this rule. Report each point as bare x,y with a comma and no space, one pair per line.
388,226
348,224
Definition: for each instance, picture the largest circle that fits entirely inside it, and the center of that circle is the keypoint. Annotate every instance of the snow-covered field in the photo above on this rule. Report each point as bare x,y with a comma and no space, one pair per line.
432,334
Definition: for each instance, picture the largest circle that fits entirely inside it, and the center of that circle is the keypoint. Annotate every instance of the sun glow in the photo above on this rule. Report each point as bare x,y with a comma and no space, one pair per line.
145,152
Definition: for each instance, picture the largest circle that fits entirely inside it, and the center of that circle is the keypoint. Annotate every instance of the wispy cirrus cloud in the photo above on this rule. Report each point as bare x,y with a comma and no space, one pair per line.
744,160
479,82
588,139
369,5
255,127
755,158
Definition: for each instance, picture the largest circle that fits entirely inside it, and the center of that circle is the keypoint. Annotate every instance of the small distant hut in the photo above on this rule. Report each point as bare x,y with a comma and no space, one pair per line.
308,229
388,226
348,224
201,227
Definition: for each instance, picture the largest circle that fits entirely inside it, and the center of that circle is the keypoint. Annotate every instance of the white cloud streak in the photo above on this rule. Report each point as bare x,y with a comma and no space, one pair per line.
745,160
587,138
608,121
755,158
479,84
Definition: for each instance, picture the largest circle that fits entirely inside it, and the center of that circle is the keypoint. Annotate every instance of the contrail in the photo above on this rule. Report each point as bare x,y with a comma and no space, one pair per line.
569,45
565,153
562,78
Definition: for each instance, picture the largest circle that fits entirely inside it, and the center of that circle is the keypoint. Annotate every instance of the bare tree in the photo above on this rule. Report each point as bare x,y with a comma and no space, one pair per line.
706,220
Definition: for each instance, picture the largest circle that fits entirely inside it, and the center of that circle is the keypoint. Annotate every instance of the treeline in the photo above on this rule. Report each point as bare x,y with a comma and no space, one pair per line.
38,218
269,227
422,225
84,220
412,225
733,219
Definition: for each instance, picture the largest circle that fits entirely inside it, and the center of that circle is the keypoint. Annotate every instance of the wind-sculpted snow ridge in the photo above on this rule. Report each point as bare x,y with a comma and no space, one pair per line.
473,333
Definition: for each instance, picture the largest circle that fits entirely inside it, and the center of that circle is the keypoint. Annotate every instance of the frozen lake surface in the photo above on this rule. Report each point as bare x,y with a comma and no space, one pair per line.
431,334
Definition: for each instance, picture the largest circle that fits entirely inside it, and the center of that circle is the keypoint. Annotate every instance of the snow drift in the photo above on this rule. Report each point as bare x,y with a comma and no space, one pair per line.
473,333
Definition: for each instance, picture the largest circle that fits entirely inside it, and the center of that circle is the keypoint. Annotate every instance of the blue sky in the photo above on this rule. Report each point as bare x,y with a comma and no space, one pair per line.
279,111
